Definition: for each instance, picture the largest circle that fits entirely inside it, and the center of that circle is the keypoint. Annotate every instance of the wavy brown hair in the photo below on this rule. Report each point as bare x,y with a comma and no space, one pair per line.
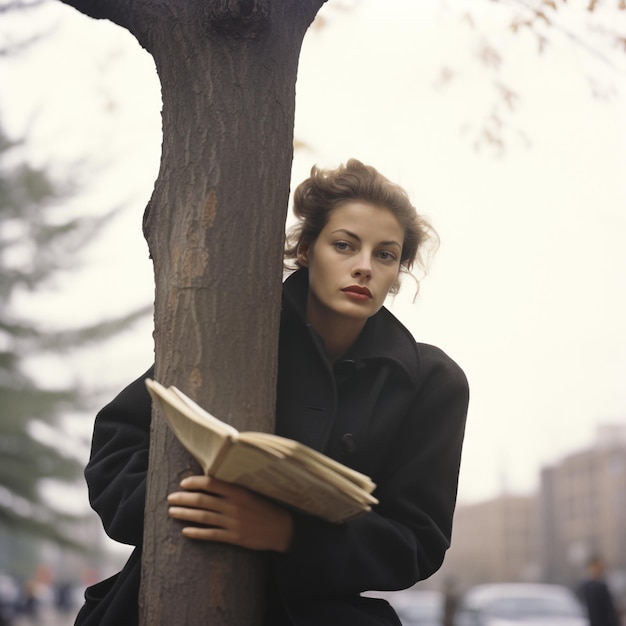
319,195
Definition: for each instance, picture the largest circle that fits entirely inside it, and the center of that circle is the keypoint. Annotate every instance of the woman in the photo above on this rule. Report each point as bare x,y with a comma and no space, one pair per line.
353,383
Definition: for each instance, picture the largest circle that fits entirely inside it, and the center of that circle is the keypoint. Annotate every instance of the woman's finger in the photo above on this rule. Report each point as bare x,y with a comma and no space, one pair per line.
219,535
197,500
210,484
196,516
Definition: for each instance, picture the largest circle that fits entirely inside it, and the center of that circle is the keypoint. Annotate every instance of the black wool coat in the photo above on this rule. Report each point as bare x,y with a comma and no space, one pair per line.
391,408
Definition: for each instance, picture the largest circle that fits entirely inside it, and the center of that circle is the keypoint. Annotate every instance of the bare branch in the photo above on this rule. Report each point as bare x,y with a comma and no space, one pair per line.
539,15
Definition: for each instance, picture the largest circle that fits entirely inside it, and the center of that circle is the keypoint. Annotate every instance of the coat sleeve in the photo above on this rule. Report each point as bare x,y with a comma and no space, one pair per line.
118,466
405,537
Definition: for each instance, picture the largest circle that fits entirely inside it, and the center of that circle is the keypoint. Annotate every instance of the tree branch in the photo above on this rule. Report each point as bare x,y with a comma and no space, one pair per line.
554,24
118,11
238,17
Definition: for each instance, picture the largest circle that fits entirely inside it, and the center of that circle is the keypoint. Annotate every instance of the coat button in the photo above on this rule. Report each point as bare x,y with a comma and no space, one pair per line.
348,444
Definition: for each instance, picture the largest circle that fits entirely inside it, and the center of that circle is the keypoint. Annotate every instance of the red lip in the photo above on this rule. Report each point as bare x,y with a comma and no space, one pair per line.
362,291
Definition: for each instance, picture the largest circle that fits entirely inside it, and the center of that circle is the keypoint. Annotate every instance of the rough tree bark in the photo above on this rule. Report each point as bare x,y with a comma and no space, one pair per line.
214,227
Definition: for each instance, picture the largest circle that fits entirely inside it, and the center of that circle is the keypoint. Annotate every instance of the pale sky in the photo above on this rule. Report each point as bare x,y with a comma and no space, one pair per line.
527,291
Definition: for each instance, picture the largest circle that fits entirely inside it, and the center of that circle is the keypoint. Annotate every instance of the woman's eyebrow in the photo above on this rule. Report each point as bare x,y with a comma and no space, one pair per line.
391,242
347,232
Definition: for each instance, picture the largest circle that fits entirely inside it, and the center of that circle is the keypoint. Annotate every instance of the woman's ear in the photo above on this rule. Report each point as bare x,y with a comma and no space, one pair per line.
302,256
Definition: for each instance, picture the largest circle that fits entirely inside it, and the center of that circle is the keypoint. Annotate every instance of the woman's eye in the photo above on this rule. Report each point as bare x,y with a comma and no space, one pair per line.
386,256
342,245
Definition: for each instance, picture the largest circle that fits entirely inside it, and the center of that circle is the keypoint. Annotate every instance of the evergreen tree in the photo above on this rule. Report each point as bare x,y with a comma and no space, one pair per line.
37,244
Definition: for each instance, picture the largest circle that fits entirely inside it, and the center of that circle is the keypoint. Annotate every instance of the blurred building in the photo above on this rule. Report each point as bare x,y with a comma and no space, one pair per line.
583,508
496,540
580,509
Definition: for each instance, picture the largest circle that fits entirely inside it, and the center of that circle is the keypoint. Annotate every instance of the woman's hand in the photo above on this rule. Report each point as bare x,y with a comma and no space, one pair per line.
230,514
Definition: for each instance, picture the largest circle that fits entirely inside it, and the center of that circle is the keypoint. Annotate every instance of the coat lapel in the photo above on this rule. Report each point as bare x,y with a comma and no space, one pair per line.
307,402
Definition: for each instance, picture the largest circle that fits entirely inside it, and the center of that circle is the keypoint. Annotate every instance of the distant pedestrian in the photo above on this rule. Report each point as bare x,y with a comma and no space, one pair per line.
596,595
450,601
30,603
63,599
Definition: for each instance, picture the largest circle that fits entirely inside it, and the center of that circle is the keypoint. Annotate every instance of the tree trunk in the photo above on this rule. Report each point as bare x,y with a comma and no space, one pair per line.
215,227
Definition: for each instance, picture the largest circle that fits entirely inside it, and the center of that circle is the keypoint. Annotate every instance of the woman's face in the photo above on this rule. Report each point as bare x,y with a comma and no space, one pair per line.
352,264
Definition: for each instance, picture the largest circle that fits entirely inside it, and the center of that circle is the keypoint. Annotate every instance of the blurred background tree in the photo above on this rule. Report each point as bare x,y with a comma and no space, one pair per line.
39,244
42,242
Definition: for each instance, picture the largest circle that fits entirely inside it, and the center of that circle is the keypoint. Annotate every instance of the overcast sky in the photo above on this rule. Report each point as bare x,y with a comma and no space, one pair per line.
527,291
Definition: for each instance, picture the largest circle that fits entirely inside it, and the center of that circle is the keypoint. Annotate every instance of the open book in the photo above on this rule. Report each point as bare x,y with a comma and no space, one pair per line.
276,467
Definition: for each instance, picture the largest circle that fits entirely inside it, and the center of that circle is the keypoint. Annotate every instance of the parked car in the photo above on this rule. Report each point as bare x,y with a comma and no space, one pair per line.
514,604
418,607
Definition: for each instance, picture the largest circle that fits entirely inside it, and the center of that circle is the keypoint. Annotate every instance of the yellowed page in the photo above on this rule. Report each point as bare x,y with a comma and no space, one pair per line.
201,433
274,476
203,416
308,456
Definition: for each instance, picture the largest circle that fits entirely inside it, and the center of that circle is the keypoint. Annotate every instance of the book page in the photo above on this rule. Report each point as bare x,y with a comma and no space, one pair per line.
204,417
276,476
309,456
202,434
311,465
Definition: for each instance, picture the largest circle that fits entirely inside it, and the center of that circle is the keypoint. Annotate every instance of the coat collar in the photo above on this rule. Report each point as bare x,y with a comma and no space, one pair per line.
384,338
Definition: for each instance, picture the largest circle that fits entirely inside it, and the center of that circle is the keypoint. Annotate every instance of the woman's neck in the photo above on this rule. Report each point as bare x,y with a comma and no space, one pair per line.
338,335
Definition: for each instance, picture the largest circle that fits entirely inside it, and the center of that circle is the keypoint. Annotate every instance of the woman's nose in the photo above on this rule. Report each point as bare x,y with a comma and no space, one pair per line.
362,267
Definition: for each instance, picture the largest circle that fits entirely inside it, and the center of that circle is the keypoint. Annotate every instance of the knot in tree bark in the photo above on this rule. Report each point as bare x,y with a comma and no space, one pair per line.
238,18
